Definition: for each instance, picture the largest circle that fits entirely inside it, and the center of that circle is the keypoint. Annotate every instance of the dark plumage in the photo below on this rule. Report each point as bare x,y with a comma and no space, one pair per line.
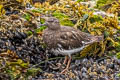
66,40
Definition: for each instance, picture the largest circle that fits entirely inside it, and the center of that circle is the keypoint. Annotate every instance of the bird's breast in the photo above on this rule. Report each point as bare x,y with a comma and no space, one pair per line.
50,38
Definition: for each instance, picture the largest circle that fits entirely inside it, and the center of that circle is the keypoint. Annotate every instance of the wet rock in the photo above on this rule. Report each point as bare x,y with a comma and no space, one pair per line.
83,70
111,66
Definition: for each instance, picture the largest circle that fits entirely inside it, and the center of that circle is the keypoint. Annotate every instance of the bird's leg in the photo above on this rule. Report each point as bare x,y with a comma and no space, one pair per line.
66,58
65,61
67,67
68,64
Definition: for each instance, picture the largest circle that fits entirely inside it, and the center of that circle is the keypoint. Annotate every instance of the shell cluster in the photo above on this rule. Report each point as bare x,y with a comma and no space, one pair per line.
85,69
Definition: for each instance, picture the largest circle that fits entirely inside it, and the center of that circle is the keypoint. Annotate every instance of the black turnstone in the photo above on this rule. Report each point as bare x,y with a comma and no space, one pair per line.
66,40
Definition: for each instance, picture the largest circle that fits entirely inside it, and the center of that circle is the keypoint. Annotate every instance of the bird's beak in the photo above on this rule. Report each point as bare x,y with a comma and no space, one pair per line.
46,18
45,24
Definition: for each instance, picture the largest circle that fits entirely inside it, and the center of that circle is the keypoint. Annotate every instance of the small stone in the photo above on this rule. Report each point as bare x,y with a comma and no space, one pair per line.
111,66
118,61
84,70
77,62
101,78
84,75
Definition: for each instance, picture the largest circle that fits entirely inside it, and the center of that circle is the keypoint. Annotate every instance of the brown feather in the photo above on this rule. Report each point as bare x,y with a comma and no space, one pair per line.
67,37
66,40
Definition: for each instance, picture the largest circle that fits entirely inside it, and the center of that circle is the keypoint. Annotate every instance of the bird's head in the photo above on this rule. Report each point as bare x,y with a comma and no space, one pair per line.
52,23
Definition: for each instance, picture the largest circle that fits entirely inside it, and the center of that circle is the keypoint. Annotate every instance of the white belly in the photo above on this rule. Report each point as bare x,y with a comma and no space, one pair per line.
67,52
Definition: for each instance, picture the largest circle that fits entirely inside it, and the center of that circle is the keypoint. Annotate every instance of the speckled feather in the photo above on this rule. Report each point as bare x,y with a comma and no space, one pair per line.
66,40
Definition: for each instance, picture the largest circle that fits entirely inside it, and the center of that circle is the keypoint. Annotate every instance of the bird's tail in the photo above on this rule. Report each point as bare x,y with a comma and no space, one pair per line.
98,38
95,39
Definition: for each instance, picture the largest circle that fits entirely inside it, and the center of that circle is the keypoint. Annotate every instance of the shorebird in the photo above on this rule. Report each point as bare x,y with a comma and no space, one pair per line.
66,40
